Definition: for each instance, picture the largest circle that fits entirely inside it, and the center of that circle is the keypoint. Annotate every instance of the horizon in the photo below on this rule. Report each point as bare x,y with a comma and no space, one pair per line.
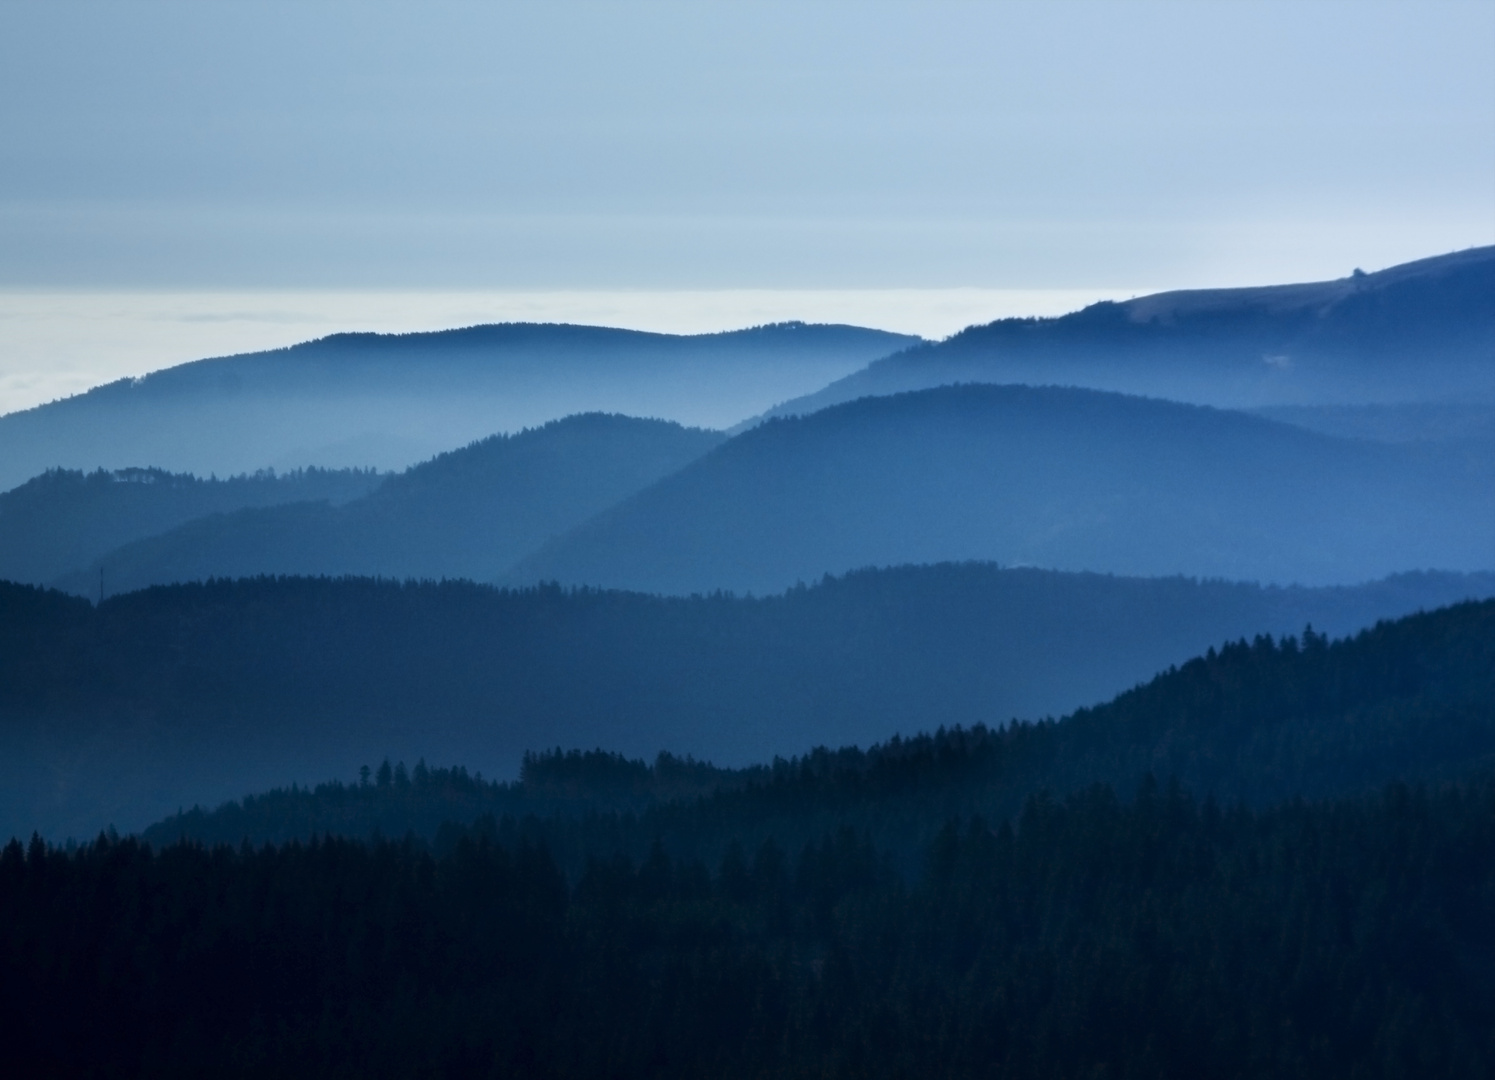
180,183
70,342
58,333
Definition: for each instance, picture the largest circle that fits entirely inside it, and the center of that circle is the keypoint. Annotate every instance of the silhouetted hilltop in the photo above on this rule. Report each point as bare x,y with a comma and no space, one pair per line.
469,513
1063,478
62,520
1423,331
390,400
193,694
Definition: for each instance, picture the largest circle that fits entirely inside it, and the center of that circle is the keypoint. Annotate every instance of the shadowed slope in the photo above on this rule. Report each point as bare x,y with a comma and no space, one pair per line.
468,513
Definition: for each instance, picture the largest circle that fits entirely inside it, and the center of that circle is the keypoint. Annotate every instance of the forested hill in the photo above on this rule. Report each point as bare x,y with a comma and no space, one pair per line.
470,513
62,520
1039,476
390,400
1420,332
194,694
1155,938
845,914
1262,721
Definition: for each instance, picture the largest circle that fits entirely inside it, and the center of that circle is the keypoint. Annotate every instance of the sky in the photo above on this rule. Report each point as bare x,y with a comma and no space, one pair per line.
186,179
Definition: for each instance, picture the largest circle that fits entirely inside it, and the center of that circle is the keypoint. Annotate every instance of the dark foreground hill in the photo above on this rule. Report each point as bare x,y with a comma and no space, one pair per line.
390,400
846,914
61,521
1041,476
1156,939
194,694
1420,332
471,513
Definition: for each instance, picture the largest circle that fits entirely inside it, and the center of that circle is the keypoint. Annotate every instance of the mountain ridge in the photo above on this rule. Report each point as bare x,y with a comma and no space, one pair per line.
1419,331
467,513
1065,478
388,401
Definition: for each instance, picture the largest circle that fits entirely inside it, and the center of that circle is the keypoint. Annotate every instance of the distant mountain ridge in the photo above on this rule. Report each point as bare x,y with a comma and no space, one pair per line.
1420,332
469,513
1044,476
390,400
1072,479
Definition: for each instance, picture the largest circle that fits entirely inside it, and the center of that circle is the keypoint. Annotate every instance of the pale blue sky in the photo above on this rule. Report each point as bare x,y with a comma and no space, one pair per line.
713,145
188,179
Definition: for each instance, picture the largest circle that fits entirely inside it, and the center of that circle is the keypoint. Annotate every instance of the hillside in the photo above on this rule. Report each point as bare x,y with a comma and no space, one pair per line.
1420,332
1326,940
62,520
390,400
194,694
1261,722
935,903
1317,902
1043,476
1468,422
469,513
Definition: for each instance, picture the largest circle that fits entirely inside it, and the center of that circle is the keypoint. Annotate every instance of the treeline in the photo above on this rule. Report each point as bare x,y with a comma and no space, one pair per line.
1152,937
555,790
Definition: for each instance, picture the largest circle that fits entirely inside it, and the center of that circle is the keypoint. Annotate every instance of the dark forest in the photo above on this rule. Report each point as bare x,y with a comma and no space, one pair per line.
1125,892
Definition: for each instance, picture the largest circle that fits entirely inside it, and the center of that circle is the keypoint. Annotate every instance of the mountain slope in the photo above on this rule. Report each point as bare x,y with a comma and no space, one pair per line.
1411,701
198,693
1063,478
469,513
1099,935
63,520
390,400
1469,422
938,916
1419,332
